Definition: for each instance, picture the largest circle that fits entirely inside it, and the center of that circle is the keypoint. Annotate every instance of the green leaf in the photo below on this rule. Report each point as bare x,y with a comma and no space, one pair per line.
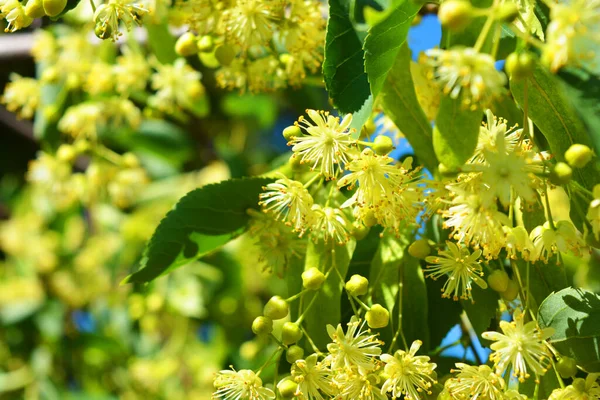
385,40
202,221
161,42
482,309
326,308
442,315
574,314
455,133
293,279
469,35
343,69
399,101
543,280
414,302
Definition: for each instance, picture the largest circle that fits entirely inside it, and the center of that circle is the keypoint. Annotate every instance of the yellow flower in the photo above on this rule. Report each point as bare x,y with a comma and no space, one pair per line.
330,224
580,389
177,85
495,128
475,382
108,17
131,71
563,238
251,22
461,267
313,378
14,13
242,384
100,79
521,345
22,96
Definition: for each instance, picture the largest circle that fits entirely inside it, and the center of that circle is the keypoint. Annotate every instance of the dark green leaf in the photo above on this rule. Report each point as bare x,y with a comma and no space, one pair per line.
414,302
161,42
202,221
455,133
443,314
385,40
543,280
399,101
482,310
326,309
574,314
343,67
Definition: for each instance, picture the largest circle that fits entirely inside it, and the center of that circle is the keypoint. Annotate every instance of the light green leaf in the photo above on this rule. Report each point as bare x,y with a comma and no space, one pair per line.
161,42
400,103
385,40
343,68
574,314
326,308
202,221
455,133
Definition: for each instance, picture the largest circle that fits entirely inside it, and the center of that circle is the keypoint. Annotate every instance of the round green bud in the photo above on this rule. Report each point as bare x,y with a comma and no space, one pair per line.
312,279
262,325
291,132
579,155
506,12
359,231
66,153
276,308
370,127
54,7
225,54
561,174
287,388
511,292
290,333
103,31
377,317
294,353
419,249
369,219
455,14
295,163
357,285
186,45
566,367
34,9
519,65
382,145
579,385
498,280
206,44
130,160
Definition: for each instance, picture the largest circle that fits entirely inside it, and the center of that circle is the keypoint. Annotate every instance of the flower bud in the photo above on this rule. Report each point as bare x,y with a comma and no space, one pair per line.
359,231
357,285
382,145
377,317
369,219
498,280
287,388
225,54
103,31
290,333
262,326
511,292
369,127
295,163
54,7
312,279
578,155
455,14
519,65
419,249
34,9
276,308
579,385
566,367
294,353
66,153
291,132
130,160
561,174
186,45
506,12
205,44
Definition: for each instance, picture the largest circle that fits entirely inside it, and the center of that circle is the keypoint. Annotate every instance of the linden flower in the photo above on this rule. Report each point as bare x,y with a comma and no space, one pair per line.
313,378
108,17
326,144
131,71
522,346
495,128
251,22
54,178
409,375
517,240
177,85
21,96
475,382
580,389
276,243
461,267
330,223
240,385
351,386
593,214
82,120
468,72
14,13
355,348
548,241
289,201
573,35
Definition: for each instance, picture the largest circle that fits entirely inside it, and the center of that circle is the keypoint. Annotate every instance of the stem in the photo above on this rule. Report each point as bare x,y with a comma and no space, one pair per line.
440,350
360,303
279,349
297,295
484,32
549,212
310,341
93,5
311,180
399,330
